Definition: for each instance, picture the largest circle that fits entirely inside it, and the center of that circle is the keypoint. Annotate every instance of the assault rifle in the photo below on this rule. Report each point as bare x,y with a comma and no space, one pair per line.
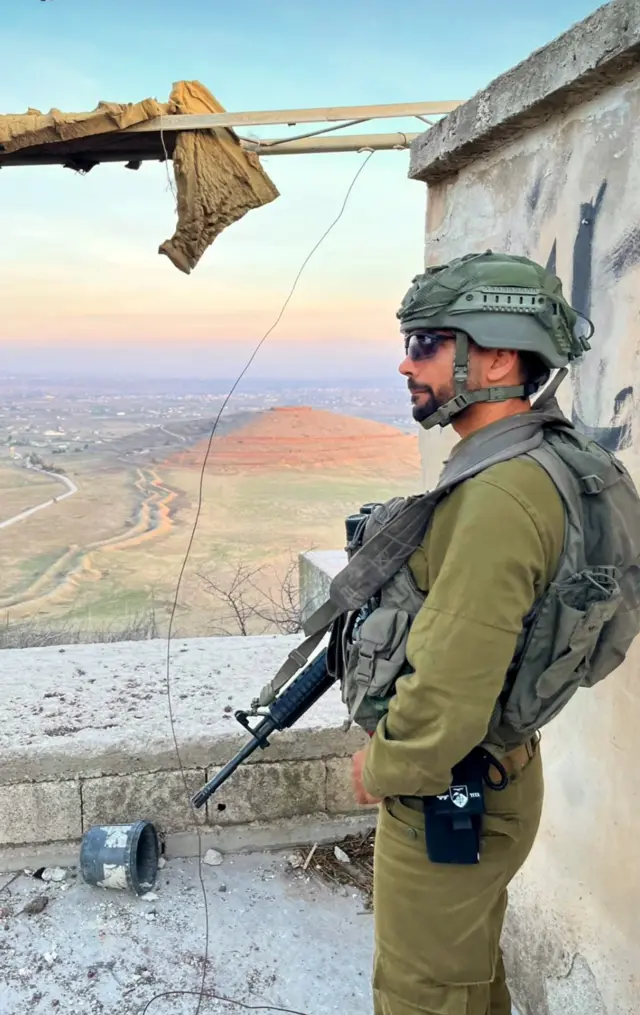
286,708
294,699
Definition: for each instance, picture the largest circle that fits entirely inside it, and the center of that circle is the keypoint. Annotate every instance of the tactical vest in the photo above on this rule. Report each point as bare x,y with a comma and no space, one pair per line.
576,633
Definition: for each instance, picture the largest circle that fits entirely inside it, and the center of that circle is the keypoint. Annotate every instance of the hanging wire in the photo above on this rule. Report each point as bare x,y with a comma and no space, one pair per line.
301,137
203,993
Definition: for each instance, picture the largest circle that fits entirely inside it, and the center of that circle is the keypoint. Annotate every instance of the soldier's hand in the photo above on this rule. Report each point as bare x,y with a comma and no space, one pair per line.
357,765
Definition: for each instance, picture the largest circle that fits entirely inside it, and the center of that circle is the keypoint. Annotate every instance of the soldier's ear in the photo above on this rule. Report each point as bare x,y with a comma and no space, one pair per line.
500,364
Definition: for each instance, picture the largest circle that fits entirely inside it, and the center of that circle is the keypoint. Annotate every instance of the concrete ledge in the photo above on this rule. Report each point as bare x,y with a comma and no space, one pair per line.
94,710
317,569
259,835
593,54
271,835
88,741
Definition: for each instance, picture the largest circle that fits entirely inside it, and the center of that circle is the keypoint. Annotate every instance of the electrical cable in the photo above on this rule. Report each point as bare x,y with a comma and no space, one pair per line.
258,142
202,992
301,137
229,1000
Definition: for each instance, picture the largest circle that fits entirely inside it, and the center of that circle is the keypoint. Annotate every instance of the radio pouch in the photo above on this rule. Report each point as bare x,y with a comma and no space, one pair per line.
453,820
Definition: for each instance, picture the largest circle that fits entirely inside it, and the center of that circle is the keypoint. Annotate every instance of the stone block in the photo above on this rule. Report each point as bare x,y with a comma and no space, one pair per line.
317,569
269,791
40,812
340,798
158,797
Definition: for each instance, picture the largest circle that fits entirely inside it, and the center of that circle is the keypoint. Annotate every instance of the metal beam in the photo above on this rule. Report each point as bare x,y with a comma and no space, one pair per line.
325,114
308,146
337,143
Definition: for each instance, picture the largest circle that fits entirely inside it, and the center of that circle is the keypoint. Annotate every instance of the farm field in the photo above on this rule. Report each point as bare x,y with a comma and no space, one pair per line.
278,485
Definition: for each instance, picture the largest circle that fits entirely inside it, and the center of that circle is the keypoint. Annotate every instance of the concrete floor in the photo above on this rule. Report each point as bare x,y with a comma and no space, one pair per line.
278,936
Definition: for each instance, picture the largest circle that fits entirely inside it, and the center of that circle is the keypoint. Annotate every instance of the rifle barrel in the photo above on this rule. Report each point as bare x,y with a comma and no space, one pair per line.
303,692
263,730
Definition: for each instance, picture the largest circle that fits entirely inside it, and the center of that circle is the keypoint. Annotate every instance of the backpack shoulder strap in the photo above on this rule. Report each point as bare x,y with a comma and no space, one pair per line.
566,484
316,626
382,556
579,468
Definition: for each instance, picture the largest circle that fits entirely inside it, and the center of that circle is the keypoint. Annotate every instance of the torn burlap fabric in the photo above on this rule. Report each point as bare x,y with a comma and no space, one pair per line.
217,181
19,131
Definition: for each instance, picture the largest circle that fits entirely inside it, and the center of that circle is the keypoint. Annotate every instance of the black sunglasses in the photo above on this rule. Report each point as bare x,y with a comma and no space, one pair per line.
421,345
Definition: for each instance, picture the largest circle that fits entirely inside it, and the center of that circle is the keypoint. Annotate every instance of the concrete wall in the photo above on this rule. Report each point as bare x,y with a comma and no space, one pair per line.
546,162
87,740
567,193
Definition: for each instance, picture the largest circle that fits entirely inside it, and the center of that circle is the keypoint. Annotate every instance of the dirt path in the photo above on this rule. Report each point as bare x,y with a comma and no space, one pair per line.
76,564
71,489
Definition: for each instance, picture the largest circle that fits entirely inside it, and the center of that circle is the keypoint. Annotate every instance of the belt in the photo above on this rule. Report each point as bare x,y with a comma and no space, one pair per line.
514,762
517,760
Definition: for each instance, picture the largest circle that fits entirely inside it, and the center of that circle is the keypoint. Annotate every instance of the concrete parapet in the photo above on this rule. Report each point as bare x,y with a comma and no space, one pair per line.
159,797
568,72
88,741
339,791
266,792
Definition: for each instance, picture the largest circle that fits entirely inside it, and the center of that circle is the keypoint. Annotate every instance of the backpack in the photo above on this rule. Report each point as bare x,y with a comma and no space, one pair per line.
577,632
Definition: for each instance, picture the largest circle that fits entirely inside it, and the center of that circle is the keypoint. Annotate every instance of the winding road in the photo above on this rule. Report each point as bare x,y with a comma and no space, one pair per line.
171,434
77,564
72,488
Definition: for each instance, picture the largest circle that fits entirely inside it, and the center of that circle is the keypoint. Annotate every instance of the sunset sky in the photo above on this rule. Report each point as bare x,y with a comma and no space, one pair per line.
82,287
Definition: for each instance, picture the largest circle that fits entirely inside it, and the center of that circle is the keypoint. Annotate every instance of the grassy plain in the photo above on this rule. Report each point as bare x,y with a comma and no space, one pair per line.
113,552
21,489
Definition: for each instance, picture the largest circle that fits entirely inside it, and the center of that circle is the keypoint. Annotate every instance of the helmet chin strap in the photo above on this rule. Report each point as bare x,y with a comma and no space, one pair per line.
463,397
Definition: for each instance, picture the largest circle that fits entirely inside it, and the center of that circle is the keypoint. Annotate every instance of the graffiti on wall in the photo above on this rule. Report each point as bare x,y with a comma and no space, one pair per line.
588,410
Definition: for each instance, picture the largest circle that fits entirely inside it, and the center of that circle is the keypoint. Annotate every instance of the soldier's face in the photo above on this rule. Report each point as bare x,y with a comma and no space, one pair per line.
428,368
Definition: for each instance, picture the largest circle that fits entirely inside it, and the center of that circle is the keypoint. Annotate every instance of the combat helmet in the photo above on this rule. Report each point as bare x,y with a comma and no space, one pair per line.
500,301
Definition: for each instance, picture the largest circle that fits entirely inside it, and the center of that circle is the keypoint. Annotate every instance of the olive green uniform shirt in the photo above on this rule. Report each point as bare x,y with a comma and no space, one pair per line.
490,550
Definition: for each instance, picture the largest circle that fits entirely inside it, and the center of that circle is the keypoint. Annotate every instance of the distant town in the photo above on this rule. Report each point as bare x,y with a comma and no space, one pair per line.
40,419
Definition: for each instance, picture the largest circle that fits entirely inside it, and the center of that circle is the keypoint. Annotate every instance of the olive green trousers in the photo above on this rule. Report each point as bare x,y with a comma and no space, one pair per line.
438,926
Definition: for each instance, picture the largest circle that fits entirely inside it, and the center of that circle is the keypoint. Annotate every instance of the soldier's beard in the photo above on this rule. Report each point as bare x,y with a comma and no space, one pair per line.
429,401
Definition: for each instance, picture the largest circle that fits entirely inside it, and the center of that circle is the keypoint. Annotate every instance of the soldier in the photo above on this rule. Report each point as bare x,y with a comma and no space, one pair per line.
464,621
492,546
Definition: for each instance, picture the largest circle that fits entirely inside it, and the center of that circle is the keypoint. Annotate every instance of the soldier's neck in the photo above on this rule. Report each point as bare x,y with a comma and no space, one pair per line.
483,414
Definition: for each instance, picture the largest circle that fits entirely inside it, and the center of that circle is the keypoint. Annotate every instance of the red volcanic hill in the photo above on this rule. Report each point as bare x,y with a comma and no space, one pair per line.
299,437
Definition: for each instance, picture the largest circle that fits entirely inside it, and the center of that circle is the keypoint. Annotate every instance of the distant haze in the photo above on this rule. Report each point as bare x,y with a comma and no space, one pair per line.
310,361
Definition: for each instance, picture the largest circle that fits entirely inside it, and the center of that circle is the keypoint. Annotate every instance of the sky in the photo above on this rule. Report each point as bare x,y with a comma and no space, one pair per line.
82,287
